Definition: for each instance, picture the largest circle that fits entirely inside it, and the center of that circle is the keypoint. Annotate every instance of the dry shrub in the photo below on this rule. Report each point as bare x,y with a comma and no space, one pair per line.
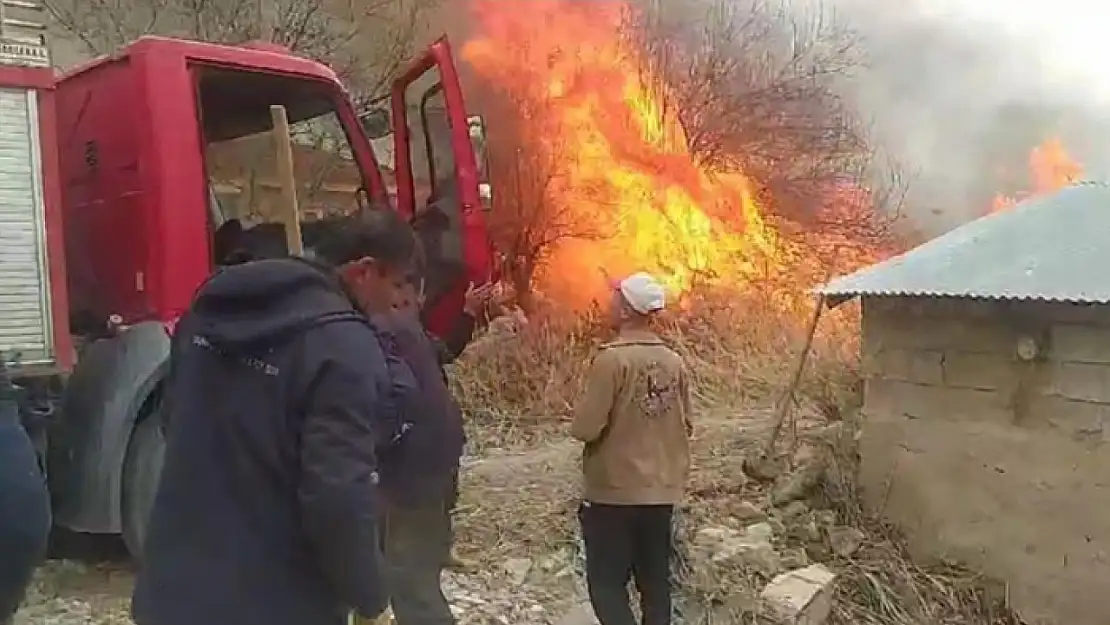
882,584
518,383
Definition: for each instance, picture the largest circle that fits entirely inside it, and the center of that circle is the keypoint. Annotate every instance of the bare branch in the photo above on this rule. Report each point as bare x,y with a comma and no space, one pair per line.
757,87
754,86
529,151
365,41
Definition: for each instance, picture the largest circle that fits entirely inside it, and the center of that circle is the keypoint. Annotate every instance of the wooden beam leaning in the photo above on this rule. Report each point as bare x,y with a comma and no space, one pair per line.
288,212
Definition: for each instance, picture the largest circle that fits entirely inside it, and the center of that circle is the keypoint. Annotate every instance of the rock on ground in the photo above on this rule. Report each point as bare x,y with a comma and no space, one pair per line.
579,614
801,597
751,547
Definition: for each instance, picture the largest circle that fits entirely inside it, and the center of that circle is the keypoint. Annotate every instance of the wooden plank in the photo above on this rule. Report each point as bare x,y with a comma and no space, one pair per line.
287,211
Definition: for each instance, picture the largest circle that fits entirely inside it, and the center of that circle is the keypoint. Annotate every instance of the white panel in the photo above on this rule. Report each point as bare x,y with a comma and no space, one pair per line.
26,335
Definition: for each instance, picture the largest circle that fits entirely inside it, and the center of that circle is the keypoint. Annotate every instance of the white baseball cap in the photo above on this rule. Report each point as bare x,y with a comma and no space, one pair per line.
643,293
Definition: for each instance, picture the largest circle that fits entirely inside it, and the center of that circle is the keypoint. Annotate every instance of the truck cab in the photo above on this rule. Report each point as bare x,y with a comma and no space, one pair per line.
147,161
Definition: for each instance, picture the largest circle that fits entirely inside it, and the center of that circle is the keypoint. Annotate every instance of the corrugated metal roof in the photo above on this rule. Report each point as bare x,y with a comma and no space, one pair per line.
1050,248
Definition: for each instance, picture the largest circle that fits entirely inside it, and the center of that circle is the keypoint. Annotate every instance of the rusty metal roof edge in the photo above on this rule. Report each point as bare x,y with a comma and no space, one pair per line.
1050,249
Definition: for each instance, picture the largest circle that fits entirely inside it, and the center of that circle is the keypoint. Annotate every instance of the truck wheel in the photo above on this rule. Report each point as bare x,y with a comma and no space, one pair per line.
141,469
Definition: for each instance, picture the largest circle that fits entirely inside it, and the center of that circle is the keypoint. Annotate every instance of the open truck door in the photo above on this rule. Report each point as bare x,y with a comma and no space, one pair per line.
439,184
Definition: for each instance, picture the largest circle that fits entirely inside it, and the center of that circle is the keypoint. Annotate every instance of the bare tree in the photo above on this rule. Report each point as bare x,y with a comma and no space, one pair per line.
531,216
756,86
365,41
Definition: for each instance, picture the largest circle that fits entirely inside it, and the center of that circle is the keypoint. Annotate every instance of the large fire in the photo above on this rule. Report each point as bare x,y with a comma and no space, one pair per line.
1051,168
625,170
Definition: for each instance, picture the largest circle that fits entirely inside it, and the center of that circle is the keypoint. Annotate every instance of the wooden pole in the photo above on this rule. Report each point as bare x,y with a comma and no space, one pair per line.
288,214
786,400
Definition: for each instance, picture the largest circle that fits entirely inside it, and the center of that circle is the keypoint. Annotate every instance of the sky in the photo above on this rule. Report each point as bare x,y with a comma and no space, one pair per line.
959,90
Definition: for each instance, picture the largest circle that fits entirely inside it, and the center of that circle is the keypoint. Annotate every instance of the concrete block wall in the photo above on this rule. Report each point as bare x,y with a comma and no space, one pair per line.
955,359
989,459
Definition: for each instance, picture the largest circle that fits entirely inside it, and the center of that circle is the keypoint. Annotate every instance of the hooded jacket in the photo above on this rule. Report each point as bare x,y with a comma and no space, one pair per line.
24,503
279,395
419,468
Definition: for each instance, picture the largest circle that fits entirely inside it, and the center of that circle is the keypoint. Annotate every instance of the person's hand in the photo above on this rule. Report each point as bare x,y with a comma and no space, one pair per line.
501,297
477,298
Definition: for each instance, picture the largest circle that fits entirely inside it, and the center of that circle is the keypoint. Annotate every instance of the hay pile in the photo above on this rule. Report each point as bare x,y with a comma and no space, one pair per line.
519,500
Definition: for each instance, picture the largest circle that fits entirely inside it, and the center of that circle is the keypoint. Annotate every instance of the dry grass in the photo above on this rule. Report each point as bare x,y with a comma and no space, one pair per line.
518,384
520,387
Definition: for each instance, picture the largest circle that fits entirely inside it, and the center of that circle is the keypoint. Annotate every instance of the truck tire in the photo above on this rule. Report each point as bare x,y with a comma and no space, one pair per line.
141,470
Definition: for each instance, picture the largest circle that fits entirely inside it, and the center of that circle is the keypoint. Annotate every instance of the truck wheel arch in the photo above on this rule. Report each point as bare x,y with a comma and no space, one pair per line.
104,398
142,469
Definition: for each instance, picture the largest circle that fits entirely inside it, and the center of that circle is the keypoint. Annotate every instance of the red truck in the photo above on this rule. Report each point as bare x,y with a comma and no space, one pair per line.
116,180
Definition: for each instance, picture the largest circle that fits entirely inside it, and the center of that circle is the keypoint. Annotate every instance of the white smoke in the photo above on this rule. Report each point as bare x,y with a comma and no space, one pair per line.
958,89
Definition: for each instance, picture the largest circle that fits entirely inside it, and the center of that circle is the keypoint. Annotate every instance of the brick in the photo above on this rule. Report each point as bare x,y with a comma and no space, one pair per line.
1079,343
895,398
801,597
1080,381
937,334
990,372
880,306
923,367
1060,312
1079,420
579,614
926,307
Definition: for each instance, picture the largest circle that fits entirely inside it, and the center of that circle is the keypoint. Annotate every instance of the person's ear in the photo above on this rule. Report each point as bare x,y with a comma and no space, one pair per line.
361,268
371,266
349,272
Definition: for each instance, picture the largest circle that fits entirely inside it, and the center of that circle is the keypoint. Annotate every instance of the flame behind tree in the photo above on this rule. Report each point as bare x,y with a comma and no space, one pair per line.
1051,168
532,214
643,193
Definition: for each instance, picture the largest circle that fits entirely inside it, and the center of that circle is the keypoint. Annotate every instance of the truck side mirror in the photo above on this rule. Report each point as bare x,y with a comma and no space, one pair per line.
477,127
376,123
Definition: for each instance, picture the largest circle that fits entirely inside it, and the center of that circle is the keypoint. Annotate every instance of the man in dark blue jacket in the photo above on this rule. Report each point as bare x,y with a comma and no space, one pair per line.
419,473
279,394
448,349
24,504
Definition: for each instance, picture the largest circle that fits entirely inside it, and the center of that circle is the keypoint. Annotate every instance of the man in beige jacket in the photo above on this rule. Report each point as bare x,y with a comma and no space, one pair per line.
635,422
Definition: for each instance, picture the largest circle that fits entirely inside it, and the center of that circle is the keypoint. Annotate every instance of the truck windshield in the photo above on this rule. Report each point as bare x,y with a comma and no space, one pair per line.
240,146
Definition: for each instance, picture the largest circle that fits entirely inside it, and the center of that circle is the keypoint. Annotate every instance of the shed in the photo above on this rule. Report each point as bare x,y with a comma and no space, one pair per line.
986,354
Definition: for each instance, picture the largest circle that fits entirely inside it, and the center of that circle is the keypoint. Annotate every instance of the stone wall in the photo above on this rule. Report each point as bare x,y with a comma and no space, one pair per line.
989,459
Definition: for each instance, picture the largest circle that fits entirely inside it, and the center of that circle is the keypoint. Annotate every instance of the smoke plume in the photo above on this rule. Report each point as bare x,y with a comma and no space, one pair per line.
959,101
956,98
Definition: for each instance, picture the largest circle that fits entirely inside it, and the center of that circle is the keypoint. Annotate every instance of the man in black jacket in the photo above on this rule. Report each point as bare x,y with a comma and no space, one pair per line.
280,393
419,471
24,504
448,349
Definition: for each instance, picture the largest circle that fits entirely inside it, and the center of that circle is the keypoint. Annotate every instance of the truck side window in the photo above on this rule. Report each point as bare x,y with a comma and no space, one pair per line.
438,219
327,177
240,153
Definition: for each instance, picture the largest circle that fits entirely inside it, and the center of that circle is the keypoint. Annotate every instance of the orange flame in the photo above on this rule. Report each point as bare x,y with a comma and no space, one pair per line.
627,170
1051,168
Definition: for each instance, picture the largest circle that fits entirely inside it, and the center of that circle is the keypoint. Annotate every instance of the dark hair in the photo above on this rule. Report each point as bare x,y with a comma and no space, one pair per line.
379,234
